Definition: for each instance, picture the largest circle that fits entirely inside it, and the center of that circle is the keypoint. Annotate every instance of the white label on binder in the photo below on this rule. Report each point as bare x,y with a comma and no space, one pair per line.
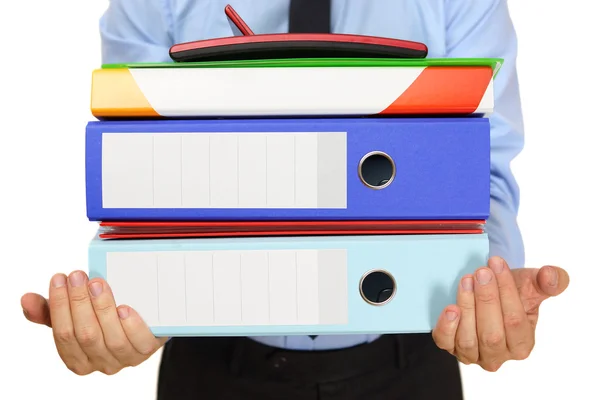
232,288
289,170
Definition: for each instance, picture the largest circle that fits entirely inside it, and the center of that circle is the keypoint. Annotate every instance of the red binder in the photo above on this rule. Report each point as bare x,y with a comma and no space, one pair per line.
166,229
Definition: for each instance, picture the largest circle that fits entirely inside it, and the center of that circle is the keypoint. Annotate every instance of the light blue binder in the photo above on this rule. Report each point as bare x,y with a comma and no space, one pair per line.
288,285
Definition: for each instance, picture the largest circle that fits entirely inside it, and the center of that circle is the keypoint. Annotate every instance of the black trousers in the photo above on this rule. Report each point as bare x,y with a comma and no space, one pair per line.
402,367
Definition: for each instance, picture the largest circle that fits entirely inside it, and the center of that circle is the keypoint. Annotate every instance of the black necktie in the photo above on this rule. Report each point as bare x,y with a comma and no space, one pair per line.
310,16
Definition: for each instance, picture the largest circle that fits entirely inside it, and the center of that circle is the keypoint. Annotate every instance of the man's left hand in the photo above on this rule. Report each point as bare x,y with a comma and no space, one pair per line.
496,312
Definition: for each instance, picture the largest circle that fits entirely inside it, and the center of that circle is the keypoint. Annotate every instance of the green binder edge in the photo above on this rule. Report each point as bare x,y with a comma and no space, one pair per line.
494,63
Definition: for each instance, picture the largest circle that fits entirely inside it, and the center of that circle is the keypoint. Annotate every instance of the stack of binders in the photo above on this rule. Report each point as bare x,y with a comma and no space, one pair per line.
289,196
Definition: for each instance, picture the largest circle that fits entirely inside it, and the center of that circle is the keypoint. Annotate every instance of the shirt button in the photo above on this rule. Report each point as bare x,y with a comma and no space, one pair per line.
279,362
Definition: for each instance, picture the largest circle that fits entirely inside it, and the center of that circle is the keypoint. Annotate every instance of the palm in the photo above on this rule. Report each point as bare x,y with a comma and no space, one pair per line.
495,315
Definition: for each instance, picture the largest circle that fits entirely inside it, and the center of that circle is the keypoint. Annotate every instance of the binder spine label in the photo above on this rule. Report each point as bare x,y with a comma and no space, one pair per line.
290,170
231,287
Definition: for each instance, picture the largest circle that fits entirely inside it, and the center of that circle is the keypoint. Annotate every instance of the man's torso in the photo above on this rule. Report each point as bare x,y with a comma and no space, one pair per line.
416,20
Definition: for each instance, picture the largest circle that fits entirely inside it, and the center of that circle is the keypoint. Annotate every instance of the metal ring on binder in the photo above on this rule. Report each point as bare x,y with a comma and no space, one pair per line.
382,182
390,292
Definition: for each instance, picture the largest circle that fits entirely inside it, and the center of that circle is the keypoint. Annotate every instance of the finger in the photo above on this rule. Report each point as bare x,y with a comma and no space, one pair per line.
466,335
552,280
538,284
138,332
490,324
518,330
36,309
87,329
444,332
63,329
115,339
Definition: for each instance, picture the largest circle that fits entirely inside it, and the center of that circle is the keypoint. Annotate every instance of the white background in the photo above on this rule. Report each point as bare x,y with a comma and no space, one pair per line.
44,230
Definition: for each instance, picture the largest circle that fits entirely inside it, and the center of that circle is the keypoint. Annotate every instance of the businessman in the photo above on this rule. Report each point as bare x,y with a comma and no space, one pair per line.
494,317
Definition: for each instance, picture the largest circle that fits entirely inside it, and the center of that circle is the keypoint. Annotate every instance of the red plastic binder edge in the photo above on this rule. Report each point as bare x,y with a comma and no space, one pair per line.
247,36
169,229
297,37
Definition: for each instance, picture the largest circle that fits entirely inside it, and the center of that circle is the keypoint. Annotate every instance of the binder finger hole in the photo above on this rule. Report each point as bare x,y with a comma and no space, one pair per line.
377,287
377,170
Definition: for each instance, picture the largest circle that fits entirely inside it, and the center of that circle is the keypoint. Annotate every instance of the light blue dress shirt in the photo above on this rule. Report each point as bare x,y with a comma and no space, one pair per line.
143,31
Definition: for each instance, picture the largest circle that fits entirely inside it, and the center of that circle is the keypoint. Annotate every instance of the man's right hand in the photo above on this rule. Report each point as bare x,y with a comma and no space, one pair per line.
90,332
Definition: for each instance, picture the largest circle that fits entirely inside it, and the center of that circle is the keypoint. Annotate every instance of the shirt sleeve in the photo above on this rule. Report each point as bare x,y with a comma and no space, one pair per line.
483,28
136,31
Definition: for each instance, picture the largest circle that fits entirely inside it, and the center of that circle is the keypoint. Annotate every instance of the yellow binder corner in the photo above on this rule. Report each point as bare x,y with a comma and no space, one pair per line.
116,94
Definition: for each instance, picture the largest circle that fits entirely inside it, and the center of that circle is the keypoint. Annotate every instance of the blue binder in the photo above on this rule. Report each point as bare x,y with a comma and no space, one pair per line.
288,286
293,169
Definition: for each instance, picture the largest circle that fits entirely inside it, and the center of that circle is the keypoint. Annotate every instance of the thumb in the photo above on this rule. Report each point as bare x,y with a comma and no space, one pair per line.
36,309
552,280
